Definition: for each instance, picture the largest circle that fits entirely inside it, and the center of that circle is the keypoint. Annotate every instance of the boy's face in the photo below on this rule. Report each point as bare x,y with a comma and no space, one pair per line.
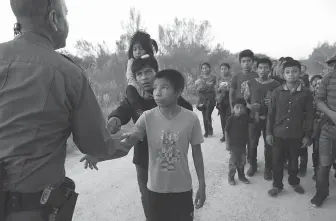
313,83
239,109
317,85
224,70
246,63
205,69
164,93
292,74
145,77
263,70
138,51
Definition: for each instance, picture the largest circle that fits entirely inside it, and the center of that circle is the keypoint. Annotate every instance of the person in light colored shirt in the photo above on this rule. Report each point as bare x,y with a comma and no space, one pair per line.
170,129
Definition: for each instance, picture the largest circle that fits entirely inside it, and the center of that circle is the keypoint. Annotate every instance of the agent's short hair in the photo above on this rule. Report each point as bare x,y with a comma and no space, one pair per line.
31,8
174,77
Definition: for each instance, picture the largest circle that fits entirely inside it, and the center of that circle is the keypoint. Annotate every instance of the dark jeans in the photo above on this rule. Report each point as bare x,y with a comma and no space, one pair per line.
303,158
322,180
206,113
224,112
142,176
282,146
170,206
315,154
255,131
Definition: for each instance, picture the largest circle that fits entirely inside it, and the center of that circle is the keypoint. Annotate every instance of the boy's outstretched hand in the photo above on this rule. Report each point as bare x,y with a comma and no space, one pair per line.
90,161
200,197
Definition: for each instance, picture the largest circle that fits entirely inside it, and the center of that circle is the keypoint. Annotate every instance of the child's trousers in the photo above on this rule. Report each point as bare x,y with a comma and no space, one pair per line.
237,163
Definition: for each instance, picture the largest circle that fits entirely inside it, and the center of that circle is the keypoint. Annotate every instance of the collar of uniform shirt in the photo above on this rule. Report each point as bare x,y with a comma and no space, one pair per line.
37,38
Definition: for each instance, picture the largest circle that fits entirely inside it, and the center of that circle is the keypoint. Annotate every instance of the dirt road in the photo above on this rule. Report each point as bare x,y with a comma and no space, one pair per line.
111,194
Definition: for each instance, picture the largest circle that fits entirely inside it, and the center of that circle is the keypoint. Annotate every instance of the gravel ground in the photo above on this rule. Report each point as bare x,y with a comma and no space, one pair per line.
111,194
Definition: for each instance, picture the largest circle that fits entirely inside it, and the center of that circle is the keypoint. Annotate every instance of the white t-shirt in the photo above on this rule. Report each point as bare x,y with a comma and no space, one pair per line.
168,144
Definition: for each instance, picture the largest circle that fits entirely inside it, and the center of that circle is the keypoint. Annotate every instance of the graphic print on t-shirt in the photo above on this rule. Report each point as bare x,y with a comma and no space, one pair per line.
243,87
168,154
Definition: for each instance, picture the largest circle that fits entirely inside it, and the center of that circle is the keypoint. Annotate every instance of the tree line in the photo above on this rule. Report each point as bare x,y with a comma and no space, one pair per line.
183,45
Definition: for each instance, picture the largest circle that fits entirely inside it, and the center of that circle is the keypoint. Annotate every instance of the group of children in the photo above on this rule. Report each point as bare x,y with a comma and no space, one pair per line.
253,102
282,108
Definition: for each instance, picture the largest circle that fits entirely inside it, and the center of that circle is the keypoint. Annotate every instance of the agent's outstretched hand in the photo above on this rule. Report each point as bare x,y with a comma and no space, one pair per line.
90,162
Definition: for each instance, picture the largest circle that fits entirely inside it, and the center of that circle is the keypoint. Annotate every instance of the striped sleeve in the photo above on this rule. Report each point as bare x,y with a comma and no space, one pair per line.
322,91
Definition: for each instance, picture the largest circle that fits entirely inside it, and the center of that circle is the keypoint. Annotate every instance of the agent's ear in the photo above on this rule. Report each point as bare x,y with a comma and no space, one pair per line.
53,20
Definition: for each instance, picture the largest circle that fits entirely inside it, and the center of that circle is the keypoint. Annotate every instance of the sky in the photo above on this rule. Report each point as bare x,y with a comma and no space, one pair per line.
274,27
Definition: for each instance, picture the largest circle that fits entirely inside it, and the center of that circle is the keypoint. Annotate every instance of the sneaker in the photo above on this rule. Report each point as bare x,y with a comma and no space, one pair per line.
302,172
274,192
299,189
318,200
251,171
206,135
232,181
244,180
268,175
222,139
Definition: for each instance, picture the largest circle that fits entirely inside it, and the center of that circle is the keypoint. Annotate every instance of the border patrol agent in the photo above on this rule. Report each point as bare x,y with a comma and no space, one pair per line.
326,103
44,97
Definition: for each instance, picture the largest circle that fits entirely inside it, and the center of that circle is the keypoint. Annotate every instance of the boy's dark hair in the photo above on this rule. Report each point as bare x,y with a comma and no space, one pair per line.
292,63
281,59
288,59
206,63
317,76
140,63
145,41
174,77
226,65
265,61
239,101
246,53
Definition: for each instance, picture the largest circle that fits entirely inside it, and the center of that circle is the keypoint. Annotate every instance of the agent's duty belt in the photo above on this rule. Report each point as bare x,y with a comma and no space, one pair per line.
57,204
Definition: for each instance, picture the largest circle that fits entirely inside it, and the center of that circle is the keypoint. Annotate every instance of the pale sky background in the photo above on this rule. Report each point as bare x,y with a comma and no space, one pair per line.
277,28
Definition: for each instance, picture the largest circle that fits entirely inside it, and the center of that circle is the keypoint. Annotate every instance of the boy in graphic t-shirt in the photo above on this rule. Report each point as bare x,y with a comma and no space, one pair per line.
170,129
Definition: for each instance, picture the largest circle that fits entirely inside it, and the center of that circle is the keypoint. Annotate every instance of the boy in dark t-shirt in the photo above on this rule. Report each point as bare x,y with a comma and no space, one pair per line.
236,134
257,94
238,82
